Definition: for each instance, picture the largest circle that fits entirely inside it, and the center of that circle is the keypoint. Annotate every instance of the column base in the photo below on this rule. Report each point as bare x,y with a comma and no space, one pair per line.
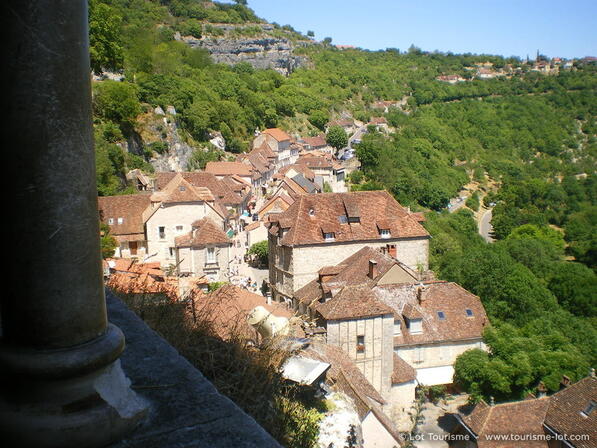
89,409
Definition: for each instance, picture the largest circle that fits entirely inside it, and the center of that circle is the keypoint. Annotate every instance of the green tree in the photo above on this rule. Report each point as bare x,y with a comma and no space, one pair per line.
336,137
105,38
116,101
261,251
108,242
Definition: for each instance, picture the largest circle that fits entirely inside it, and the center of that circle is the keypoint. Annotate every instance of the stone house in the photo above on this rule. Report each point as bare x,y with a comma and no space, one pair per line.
280,143
123,214
224,169
324,229
205,250
317,143
400,328
277,204
330,172
172,213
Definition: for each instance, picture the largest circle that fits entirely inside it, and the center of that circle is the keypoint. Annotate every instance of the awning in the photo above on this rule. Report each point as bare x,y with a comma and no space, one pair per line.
432,376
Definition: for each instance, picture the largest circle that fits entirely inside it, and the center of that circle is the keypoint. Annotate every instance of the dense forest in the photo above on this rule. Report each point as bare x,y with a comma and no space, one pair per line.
528,141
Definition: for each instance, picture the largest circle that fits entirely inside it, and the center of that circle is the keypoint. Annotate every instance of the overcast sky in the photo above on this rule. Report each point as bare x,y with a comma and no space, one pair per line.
565,28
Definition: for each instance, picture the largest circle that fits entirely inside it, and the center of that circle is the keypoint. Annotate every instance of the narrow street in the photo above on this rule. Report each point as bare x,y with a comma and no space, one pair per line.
485,227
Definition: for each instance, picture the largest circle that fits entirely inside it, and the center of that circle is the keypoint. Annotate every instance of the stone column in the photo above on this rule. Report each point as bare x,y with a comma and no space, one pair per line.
60,379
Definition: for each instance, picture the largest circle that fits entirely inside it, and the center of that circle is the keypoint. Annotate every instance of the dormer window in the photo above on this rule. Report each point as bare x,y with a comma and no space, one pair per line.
182,188
397,327
329,236
415,326
343,219
311,211
354,220
385,233
110,221
589,409
120,220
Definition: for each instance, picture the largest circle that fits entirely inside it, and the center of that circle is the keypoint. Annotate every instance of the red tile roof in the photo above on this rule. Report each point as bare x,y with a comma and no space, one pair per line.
204,232
519,422
218,187
403,372
566,415
130,207
309,213
315,142
278,134
180,190
356,302
228,168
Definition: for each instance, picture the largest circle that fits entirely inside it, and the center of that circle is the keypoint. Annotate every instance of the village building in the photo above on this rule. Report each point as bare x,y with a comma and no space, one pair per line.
401,328
379,123
378,428
172,213
348,124
204,251
331,172
566,419
123,214
280,143
317,143
324,229
450,79
224,169
276,205
140,180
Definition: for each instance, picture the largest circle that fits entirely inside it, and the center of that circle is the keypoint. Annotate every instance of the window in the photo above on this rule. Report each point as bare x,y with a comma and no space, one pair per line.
441,315
397,328
469,312
329,236
590,408
162,232
360,343
342,219
171,251
179,229
182,188
110,221
120,220
211,255
384,233
354,219
415,326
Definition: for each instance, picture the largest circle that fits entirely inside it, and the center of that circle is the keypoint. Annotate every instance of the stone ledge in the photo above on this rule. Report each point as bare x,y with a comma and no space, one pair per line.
186,409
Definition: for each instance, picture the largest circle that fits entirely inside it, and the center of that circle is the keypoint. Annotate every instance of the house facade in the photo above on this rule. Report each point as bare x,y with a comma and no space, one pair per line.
324,229
205,250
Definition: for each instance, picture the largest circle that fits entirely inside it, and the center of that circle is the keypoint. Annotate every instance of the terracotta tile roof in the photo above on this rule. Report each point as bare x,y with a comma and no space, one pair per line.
427,300
130,277
566,415
180,190
204,232
341,364
344,122
299,168
278,134
130,208
281,200
220,189
228,307
228,168
402,372
378,120
519,419
353,303
304,218
315,142
352,271
313,162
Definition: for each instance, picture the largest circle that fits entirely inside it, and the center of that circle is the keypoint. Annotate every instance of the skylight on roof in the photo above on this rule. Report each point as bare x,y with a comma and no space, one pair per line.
441,315
469,312
590,408
342,219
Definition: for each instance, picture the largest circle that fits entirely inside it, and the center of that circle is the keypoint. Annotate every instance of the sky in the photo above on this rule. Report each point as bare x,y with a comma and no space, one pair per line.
564,28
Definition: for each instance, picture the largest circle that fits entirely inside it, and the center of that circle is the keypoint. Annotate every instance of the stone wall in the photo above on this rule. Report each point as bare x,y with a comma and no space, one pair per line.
376,361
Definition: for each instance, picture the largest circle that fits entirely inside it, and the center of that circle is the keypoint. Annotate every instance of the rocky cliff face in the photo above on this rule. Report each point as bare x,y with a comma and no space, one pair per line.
261,52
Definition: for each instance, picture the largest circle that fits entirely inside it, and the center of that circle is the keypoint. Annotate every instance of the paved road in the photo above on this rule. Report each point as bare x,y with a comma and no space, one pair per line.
438,421
485,227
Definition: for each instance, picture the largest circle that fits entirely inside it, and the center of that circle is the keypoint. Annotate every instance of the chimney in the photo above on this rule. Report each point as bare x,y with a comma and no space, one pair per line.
420,291
541,390
372,269
565,381
491,401
592,372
